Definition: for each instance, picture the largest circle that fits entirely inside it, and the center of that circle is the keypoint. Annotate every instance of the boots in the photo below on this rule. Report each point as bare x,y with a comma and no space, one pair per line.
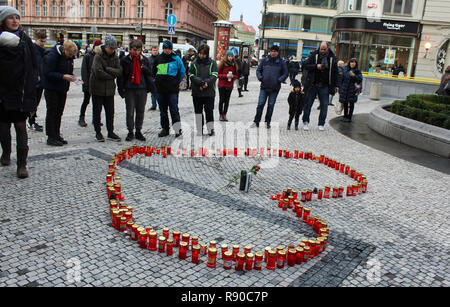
22,154
240,92
5,160
82,122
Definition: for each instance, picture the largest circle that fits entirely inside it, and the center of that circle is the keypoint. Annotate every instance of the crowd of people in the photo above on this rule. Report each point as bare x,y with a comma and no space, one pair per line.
30,71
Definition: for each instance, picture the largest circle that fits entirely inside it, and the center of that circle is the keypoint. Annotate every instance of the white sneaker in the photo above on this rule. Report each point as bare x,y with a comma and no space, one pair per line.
306,126
321,128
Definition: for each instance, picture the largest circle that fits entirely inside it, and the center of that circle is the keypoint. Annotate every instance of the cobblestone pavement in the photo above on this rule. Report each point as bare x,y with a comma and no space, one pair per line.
56,225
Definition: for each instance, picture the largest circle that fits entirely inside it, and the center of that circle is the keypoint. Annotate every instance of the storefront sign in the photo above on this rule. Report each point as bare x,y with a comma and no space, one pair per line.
94,37
389,57
222,42
118,38
388,26
76,36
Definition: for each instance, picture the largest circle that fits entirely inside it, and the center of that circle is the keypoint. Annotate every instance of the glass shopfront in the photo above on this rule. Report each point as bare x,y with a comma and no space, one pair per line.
387,49
287,47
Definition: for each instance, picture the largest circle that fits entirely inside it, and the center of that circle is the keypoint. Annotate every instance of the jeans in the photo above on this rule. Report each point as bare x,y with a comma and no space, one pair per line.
324,98
99,102
166,102
154,100
135,101
263,96
56,101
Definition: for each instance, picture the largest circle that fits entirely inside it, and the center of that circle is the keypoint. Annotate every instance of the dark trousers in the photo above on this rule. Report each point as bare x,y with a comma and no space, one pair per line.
56,102
207,104
84,105
264,96
292,76
135,101
245,82
21,140
99,102
324,98
33,115
348,109
294,112
224,99
169,102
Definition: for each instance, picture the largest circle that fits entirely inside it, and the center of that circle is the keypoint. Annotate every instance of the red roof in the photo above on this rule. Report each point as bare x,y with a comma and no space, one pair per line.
245,27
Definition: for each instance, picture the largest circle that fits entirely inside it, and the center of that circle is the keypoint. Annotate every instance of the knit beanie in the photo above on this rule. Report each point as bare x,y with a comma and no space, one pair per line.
296,83
6,11
229,52
168,45
97,43
110,41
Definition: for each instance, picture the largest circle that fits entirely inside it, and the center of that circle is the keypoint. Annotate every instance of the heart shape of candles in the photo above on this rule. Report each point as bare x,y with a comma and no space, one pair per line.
122,215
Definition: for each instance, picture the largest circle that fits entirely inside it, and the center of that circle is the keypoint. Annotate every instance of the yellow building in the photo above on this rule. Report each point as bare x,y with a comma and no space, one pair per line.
223,10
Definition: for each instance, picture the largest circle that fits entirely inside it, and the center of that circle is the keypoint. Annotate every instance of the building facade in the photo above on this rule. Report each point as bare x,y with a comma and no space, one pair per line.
243,32
390,36
87,20
223,10
297,26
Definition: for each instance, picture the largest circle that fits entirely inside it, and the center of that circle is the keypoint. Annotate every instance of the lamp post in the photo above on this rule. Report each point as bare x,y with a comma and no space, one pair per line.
427,48
261,41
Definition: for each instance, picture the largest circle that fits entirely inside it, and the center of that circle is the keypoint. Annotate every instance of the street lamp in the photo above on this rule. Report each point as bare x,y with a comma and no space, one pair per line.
427,48
261,41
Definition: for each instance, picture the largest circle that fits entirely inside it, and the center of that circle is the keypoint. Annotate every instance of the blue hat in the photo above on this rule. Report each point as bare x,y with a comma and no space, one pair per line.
168,45
229,52
295,83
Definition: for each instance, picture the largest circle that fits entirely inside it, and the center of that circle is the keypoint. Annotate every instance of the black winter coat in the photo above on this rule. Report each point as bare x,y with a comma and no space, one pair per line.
19,76
293,67
56,65
296,102
86,68
347,90
245,68
311,74
201,72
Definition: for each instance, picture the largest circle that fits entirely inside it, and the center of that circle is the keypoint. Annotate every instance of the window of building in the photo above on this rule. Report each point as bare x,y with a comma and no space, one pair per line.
324,4
168,10
22,7
72,9
37,9
101,9
122,9
353,5
81,9
316,24
91,9
54,9
112,9
140,9
399,7
62,7
44,8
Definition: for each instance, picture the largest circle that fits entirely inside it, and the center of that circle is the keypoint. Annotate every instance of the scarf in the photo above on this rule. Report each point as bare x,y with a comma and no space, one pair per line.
136,76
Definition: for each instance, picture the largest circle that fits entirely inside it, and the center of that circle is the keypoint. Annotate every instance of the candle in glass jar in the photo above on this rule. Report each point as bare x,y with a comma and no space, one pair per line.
235,251
249,261
306,213
186,238
224,248
212,258
272,260
123,224
182,250
299,255
308,195
129,228
247,249
311,220
195,254
306,253
143,239
240,260
227,260
213,244
194,241
176,238
292,257
161,244
266,253
203,249
169,247
152,241
134,233
281,259
165,232
258,261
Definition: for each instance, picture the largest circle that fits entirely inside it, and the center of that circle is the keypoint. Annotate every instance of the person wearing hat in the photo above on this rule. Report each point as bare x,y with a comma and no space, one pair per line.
102,86
228,72
18,80
296,101
271,72
86,67
168,72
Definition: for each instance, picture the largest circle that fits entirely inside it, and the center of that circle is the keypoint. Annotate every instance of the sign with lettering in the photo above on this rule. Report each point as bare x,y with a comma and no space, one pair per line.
387,26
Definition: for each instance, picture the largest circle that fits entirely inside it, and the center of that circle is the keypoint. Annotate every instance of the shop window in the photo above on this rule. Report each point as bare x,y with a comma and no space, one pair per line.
353,5
398,7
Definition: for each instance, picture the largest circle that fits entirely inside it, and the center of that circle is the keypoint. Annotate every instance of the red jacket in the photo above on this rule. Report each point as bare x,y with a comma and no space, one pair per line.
223,76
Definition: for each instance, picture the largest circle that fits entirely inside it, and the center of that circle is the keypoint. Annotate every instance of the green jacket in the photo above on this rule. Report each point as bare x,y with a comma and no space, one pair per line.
105,69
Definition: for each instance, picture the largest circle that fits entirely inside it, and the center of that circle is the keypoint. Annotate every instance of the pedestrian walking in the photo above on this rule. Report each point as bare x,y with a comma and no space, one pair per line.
168,71
319,79
444,87
135,82
348,90
86,68
203,74
154,54
58,74
18,78
105,69
296,101
293,68
228,72
40,40
271,72
240,76
245,72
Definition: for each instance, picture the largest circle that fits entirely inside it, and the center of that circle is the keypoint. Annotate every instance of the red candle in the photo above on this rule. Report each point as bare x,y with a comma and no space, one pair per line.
185,238
123,224
320,194
300,156
299,211
308,195
176,238
281,259
266,253
224,248
152,241
195,254
349,190
227,260
311,220
143,239
162,244
166,233
292,257
296,205
235,251
327,191
182,250
303,199
249,262
306,213
341,192
239,266
212,258
272,260
194,241
258,261
247,250
299,255
169,247
306,253
352,173
335,192
134,234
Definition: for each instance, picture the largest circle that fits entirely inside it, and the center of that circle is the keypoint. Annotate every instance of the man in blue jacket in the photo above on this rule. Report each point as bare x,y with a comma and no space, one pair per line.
168,71
271,72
